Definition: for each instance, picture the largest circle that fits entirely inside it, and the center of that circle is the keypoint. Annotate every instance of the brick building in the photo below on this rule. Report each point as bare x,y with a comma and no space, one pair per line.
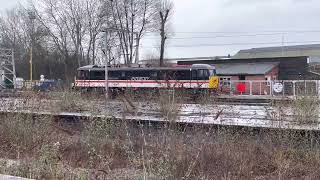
289,68
243,73
261,69
248,71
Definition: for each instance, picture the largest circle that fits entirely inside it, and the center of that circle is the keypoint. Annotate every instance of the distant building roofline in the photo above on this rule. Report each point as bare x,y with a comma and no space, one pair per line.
280,48
188,59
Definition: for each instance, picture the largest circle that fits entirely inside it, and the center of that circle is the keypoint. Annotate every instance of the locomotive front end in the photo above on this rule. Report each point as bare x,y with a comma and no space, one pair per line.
213,79
213,82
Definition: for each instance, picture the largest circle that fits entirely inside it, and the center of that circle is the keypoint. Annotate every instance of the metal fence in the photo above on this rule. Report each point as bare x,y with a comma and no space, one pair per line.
271,88
42,85
237,88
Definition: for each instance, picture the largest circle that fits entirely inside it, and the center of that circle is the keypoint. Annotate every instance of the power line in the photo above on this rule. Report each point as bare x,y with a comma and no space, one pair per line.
234,44
241,32
152,37
222,36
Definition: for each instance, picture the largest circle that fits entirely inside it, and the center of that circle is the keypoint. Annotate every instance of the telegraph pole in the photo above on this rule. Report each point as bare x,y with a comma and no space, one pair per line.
32,17
137,47
282,46
106,30
106,66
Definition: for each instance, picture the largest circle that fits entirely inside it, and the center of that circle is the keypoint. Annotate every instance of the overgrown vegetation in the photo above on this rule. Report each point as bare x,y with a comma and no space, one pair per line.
306,109
168,106
106,148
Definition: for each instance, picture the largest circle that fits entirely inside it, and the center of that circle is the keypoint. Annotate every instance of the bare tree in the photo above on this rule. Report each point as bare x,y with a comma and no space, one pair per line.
49,13
96,17
67,33
131,18
75,22
165,11
17,32
74,26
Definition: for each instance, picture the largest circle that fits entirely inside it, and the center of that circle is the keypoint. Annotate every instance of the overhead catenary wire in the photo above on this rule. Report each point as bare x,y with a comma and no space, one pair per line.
220,36
227,34
235,44
241,32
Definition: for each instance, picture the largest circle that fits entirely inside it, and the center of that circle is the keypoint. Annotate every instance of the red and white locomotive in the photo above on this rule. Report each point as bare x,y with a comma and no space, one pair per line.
178,76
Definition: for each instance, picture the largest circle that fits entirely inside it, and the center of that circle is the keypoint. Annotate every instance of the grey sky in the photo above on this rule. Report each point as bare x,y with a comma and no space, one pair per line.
247,16
6,4
246,23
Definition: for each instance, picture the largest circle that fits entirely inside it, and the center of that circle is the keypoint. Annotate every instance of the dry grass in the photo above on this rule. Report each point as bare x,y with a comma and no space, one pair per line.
306,109
168,106
44,148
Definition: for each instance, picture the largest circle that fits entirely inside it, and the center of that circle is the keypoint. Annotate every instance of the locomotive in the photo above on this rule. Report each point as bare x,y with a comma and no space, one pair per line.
196,76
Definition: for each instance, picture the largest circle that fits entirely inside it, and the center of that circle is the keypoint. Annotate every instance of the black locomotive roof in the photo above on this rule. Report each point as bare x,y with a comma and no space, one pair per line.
101,68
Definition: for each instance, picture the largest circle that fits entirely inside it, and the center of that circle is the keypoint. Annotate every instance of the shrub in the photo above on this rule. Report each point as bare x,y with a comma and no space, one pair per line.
306,109
22,134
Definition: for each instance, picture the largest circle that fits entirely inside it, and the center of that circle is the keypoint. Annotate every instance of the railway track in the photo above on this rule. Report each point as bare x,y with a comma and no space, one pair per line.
237,115
219,99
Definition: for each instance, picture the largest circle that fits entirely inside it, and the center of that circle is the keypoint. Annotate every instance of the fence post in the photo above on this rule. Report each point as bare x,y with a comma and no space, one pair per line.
318,88
230,85
283,88
294,88
305,87
250,82
260,89
270,88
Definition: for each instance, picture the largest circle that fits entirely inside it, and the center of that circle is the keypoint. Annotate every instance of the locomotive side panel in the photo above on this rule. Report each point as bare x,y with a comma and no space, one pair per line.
199,77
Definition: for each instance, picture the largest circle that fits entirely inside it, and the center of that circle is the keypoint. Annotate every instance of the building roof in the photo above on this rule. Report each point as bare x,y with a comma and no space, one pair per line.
244,68
280,51
137,68
175,60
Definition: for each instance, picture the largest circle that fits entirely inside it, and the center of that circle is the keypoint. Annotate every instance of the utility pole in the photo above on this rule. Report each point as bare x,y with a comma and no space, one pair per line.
106,65
137,47
32,17
109,31
282,46
30,62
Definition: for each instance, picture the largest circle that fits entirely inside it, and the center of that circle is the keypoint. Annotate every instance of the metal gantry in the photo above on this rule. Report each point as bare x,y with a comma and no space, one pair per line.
7,68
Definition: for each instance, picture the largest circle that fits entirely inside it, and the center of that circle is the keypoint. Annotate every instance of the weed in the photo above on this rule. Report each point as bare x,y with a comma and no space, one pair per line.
306,109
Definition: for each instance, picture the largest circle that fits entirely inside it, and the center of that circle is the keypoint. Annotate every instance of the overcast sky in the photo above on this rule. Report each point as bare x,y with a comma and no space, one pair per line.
250,23
222,27
6,4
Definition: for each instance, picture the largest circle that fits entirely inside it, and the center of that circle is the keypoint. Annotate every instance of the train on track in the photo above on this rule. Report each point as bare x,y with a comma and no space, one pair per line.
190,77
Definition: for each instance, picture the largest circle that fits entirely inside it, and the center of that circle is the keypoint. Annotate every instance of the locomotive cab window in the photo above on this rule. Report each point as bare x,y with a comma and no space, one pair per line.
212,72
84,75
194,75
203,74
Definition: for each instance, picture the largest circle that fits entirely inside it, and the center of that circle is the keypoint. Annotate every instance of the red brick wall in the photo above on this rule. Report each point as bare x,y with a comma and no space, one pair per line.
257,87
273,72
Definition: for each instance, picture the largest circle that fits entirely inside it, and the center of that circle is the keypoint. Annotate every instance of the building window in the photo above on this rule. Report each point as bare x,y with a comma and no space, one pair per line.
268,80
242,77
225,81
